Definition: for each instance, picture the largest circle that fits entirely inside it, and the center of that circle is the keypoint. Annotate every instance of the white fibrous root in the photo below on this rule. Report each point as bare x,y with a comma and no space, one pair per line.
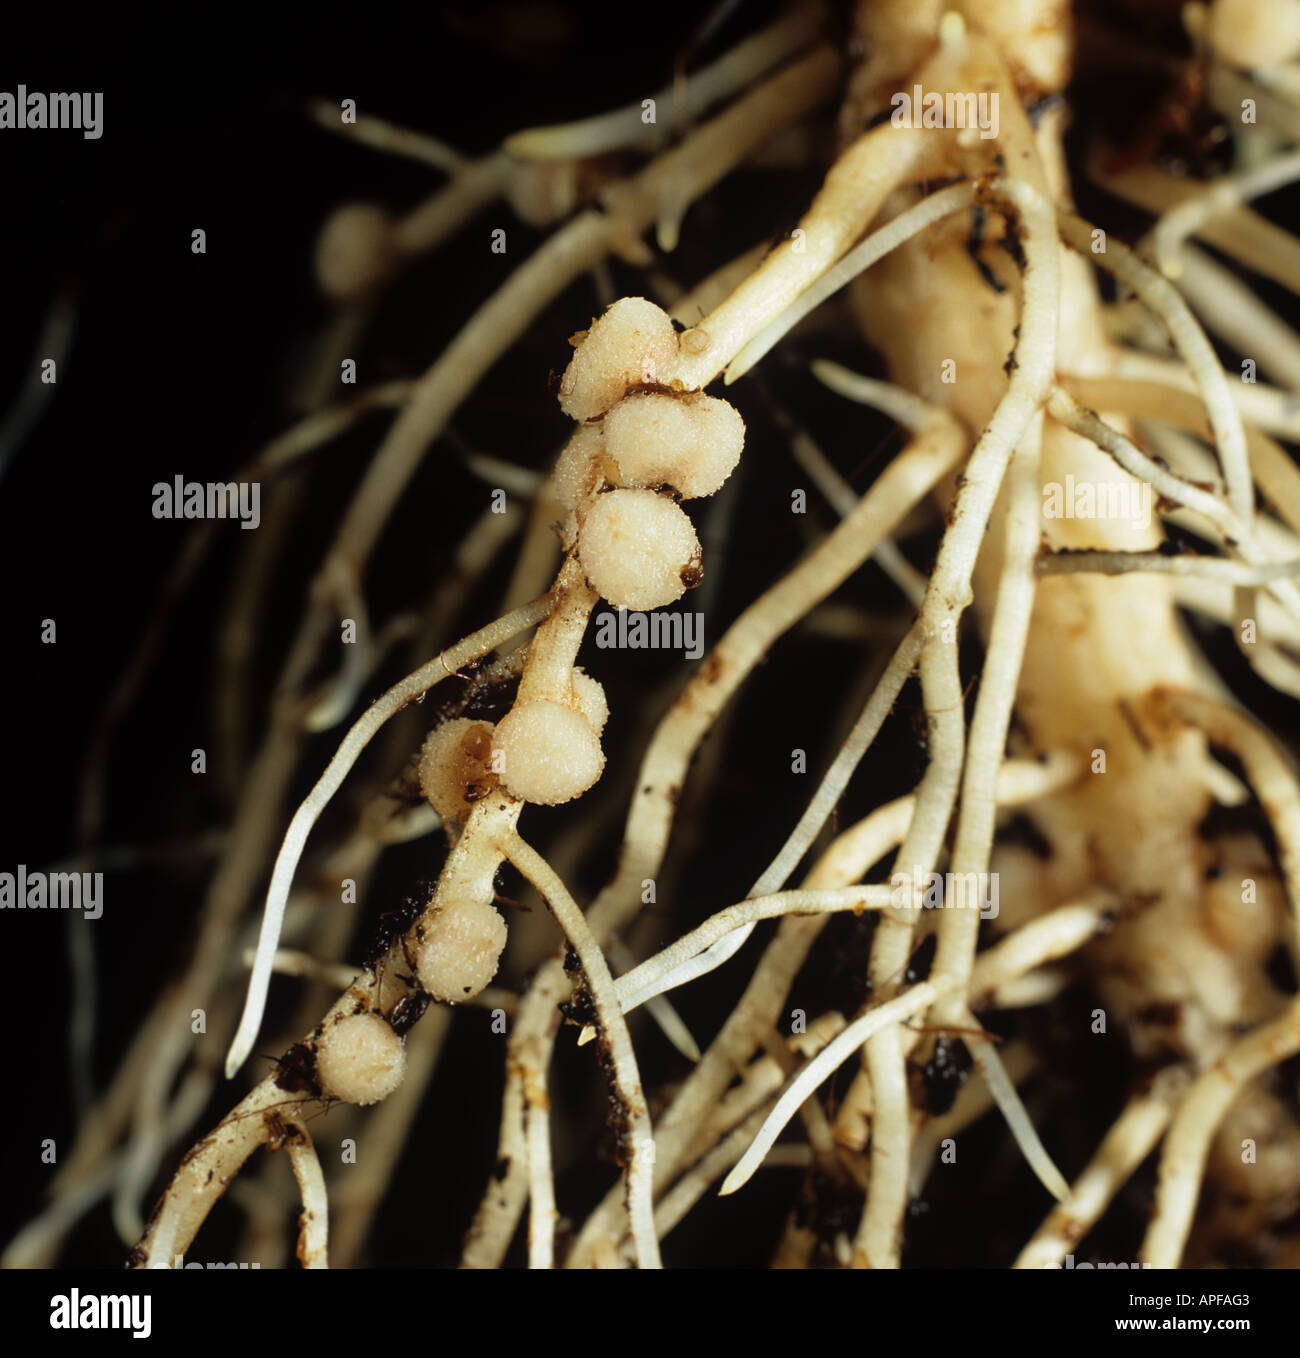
632,344
638,549
360,1059
691,443
356,252
455,767
460,947
546,752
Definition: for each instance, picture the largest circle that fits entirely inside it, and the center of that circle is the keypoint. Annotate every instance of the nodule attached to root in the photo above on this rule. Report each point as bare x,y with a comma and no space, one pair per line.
455,768
549,753
692,442
638,549
355,252
632,343
581,466
460,949
360,1059
589,698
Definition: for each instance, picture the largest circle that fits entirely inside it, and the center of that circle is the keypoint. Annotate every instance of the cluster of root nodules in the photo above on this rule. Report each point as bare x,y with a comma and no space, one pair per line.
645,443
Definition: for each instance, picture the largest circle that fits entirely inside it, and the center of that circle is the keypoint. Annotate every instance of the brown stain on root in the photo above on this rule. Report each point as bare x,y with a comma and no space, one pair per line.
296,1071
281,1131
618,1118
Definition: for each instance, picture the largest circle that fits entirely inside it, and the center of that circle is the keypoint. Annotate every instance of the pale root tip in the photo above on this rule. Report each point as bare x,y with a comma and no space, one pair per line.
240,1046
355,251
952,28
532,144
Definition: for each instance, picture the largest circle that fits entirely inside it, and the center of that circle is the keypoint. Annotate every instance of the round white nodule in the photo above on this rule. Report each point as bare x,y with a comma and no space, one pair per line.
460,950
632,343
547,753
691,442
638,549
360,1059
355,251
